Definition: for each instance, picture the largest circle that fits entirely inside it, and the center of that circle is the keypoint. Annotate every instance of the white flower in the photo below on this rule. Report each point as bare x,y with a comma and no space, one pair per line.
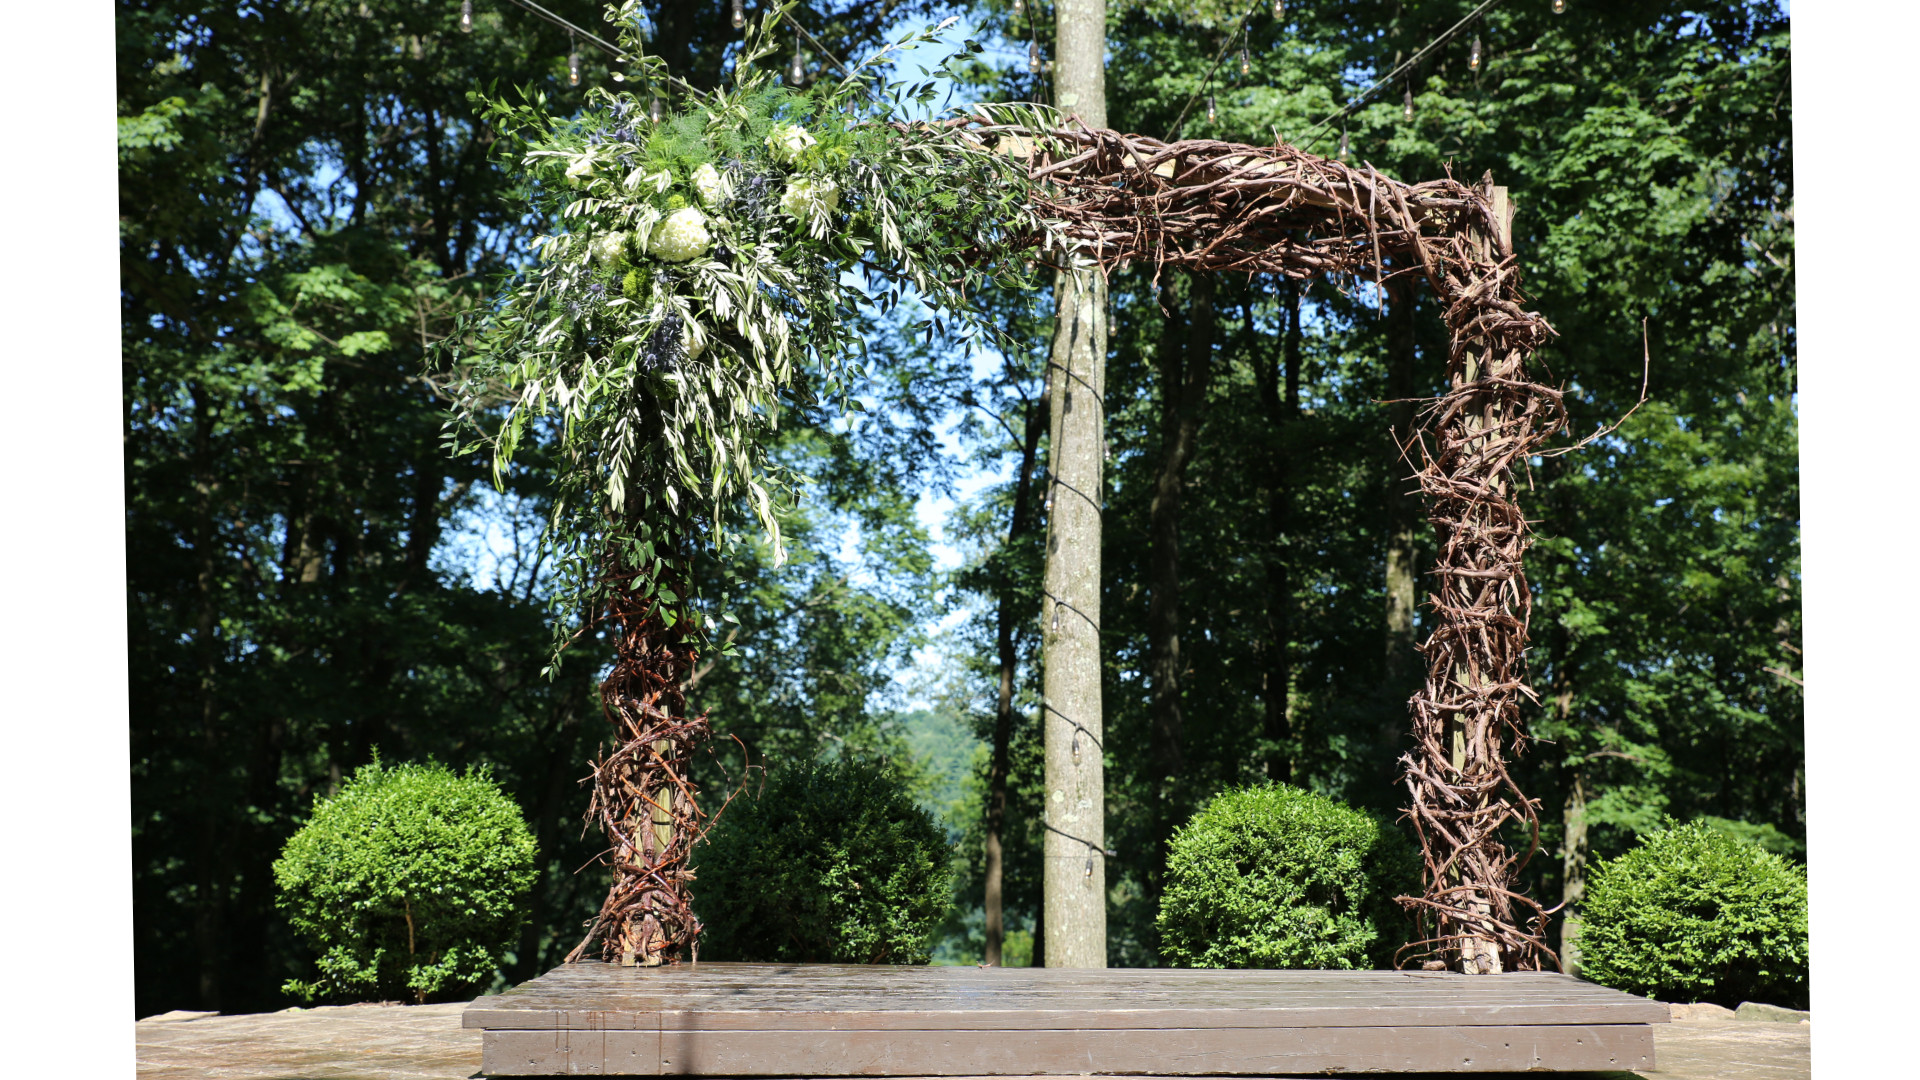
710,184
581,171
806,195
692,339
681,237
786,141
609,248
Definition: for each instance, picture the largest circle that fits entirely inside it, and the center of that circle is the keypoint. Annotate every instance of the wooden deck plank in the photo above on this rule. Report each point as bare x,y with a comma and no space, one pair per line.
1188,1052
746,1020
717,997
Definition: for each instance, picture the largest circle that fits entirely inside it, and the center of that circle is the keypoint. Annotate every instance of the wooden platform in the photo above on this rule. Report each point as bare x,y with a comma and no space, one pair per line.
829,1021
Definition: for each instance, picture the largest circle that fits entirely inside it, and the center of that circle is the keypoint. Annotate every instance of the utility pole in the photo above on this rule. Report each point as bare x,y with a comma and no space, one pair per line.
1074,881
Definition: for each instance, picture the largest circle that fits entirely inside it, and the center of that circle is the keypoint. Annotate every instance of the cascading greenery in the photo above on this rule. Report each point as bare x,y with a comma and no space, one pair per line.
700,279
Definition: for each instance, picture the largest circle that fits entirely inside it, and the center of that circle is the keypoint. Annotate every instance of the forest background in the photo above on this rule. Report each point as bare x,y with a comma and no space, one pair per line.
306,202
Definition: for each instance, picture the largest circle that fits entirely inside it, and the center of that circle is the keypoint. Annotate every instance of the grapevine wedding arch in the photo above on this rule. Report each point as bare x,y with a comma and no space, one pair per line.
708,265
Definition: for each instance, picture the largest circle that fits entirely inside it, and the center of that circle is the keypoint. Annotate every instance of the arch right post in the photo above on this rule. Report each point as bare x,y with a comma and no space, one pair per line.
1476,828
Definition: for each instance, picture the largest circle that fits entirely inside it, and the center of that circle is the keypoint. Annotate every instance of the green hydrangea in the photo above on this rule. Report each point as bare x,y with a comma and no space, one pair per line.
1276,877
408,884
1694,914
711,186
609,250
809,195
786,142
682,236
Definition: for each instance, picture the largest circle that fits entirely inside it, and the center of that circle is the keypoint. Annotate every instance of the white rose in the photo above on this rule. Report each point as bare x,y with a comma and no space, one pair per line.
806,195
681,237
581,171
786,141
609,248
710,184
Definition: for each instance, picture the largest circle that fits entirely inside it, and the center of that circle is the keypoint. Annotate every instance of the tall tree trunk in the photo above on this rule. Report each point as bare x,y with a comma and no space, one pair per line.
996,815
1404,513
1185,362
1280,397
1573,818
552,813
210,916
1573,869
1074,881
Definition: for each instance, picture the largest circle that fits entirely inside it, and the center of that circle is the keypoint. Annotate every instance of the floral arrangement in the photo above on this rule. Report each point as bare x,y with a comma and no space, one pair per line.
697,259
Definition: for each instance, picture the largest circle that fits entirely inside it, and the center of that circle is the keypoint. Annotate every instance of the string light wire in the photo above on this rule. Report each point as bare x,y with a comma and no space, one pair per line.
619,54
1206,82
591,38
1313,136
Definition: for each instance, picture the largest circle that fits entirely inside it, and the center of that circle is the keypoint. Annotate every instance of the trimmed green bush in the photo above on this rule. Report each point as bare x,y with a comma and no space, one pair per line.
832,863
1276,877
408,883
1693,914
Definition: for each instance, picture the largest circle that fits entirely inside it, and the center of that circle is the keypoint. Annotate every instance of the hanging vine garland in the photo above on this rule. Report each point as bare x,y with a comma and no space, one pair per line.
697,287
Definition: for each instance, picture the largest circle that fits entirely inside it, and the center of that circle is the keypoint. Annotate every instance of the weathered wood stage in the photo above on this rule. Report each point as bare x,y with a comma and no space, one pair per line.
830,1021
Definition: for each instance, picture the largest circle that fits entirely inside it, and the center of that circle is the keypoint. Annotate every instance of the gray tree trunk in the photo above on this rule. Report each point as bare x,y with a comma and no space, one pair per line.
1074,881
1573,867
997,775
1186,364
1404,514
1280,396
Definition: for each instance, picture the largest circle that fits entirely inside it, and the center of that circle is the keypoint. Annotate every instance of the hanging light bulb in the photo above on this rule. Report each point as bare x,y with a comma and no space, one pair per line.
1213,110
1559,7
656,111
466,16
797,73
1019,6
1033,58
1407,104
739,13
1089,866
1076,746
573,61
1344,151
1279,9
1246,62
1056,616
1473,54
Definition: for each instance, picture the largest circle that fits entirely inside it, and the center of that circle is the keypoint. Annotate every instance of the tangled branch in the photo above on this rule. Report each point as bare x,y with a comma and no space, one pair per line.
642,795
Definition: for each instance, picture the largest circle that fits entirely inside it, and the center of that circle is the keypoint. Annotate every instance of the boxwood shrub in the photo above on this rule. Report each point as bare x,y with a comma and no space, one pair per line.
408,884
1694,914
1276,877
833,862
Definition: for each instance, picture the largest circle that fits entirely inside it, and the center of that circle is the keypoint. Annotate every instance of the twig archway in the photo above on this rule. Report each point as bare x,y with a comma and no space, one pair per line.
695,263
1202,204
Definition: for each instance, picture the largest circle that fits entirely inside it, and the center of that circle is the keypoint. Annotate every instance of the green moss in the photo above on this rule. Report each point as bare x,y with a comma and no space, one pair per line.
1276,877
408,884
1694,914
832,863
